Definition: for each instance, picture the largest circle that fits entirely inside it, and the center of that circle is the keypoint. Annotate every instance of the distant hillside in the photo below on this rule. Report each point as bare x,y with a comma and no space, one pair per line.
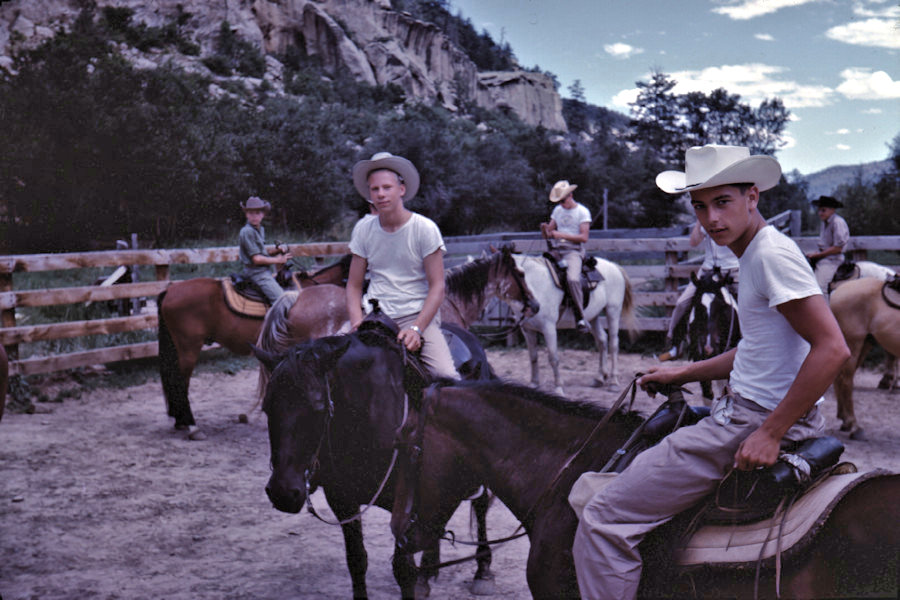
826,181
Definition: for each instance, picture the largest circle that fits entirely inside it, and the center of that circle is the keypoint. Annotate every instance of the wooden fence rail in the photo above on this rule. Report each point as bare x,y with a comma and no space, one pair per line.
656,285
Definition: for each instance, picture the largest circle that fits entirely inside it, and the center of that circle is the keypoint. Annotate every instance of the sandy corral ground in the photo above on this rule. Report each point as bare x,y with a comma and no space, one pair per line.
101,498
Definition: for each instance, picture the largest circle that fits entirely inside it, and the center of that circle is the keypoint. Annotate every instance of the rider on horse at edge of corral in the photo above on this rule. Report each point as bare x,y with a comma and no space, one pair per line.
714,256
403,254
834,234
791,351
252,250
569,224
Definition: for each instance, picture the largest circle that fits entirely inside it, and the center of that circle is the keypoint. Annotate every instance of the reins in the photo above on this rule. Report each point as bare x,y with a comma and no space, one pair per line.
417,451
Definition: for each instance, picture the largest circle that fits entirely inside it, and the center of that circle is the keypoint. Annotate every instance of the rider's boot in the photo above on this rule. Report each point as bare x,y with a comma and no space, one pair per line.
672,352
575,293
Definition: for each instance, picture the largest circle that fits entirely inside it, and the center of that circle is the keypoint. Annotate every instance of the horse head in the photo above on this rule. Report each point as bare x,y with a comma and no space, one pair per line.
510,279
299,407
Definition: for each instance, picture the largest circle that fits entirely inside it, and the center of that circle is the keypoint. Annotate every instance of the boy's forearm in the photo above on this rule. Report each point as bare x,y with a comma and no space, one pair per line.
717,367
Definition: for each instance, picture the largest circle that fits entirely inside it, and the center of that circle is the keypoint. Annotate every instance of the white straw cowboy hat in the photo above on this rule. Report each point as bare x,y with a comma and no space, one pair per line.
256,203
560,190
712,165
385,160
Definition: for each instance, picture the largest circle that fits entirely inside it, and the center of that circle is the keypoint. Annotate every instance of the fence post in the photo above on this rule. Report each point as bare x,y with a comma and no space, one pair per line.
8,316
135,277
795,223
671,283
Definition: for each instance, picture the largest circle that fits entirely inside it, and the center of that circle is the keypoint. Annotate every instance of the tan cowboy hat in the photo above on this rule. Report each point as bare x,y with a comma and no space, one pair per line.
385,160
256,203
712,165
561,189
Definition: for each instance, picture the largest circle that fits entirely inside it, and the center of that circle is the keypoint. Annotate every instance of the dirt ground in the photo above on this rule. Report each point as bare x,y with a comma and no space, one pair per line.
101,498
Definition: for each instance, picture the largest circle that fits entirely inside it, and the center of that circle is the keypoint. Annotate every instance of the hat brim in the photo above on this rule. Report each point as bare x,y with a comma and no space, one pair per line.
565,193
762,171
837,204
397,164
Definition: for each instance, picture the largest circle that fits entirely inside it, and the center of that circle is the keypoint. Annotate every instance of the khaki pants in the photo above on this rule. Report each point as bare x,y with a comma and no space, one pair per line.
574,261
825,269
662,481
435,351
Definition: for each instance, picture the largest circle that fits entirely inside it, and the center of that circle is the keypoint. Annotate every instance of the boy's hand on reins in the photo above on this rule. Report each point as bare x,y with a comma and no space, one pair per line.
659,375
410,339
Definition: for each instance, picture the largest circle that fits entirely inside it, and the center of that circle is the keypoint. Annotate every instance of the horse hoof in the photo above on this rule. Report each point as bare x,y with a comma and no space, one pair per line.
859,435
196,435
422,590
483,587
559,391
845,427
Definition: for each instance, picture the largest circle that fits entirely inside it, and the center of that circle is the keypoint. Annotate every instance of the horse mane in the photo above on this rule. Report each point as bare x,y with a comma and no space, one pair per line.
567,406
296,361
468,280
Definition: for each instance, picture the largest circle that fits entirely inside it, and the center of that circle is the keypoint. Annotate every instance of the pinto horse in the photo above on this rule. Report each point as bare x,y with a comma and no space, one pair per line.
530,447
193,312
862,312
711,325
333,407
613,295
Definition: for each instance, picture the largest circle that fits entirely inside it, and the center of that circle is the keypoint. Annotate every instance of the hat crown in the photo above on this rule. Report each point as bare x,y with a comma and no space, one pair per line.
561,189
703,162
256,203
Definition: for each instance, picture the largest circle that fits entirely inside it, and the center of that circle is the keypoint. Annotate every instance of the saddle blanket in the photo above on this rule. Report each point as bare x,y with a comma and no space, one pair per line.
241,304
746,543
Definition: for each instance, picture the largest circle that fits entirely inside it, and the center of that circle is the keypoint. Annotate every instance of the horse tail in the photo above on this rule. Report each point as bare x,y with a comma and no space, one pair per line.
628,307
173,384
274,336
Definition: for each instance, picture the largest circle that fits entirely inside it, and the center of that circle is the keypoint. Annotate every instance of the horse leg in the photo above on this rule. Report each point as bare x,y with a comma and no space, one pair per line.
354,549
553,357
843,388
483,582
532,343
889,379
176,363
601,341
413,583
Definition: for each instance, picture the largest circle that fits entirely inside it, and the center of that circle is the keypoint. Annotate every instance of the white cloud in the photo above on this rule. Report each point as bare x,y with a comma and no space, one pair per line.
843,131
620,50
872,111
888,12
842,147
864,84
764,37
880,33
741,10
754,82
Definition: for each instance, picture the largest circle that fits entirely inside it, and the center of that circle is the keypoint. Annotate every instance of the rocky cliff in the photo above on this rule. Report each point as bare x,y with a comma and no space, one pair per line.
364,37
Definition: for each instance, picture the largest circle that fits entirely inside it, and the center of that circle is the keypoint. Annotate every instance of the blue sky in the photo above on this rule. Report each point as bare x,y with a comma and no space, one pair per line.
834,63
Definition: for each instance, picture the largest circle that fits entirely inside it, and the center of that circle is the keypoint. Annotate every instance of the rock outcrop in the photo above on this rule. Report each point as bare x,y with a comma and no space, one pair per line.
365,38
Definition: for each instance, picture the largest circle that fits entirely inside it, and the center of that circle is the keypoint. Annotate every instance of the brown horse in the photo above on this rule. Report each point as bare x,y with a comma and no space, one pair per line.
522,444
193,312
861,311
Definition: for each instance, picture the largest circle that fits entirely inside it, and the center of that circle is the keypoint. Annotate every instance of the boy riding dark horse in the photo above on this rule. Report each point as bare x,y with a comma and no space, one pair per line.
790,353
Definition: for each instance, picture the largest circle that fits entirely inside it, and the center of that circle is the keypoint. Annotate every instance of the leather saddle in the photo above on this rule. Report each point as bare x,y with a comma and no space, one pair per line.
890,291
590,276
245,298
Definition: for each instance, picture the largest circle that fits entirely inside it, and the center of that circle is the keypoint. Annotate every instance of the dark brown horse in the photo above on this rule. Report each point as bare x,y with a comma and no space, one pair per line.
334,405
193,312
516,441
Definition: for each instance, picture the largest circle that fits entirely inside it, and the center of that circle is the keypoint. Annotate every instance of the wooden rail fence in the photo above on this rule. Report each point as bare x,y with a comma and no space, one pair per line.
656,285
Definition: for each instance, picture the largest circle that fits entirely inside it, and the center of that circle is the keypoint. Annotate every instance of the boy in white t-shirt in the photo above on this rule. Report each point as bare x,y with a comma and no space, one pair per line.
790,353
570,224
403,252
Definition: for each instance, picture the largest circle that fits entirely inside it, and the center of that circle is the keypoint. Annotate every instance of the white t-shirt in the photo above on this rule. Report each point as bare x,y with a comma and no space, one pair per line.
773,271
569,220
396,262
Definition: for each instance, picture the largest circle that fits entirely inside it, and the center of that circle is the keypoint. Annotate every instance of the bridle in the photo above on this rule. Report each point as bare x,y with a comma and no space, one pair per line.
528,300
313,464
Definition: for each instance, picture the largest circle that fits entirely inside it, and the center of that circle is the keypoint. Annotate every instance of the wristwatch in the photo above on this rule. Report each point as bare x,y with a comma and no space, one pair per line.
416,329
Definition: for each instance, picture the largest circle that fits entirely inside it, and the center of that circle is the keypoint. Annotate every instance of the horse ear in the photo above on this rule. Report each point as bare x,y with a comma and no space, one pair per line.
268,359
334,348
